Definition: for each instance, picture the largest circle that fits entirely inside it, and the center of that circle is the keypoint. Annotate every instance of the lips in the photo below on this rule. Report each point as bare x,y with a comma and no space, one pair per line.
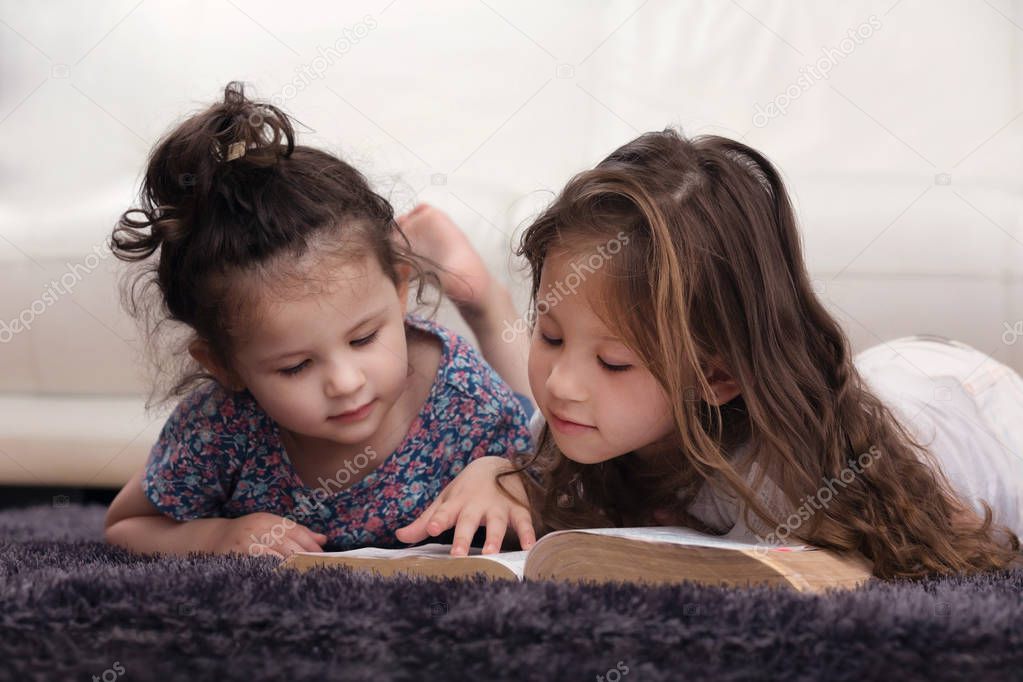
569,427
357,413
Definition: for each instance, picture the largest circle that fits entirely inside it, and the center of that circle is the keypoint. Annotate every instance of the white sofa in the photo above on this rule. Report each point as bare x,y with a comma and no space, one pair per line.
905,162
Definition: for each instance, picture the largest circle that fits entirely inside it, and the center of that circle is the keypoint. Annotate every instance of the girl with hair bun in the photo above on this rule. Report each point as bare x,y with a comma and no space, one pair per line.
314,408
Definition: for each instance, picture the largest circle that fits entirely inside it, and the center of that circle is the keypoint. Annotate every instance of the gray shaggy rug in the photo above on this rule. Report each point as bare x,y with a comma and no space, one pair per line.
72,607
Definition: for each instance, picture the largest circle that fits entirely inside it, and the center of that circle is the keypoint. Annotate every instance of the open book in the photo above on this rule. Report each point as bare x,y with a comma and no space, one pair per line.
654,555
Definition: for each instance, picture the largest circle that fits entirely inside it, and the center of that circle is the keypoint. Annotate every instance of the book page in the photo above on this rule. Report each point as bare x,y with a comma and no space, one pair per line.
514,561
429,550
680,535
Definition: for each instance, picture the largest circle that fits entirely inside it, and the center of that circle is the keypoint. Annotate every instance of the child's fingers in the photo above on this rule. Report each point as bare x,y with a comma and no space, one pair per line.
496,528
443,517
305,539
465,529
416,531
288,546
309,540
319,538
523,525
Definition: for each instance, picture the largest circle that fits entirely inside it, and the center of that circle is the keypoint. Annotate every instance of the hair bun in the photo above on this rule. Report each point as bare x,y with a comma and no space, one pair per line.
226,140
254,130
218,152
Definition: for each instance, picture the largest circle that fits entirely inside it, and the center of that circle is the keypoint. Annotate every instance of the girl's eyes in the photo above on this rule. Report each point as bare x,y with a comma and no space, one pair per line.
358,343
613,368
291,371
606,365
549,341
365,340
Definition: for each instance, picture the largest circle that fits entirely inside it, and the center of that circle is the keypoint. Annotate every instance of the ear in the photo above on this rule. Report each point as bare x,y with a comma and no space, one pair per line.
200,350
723,386
404,273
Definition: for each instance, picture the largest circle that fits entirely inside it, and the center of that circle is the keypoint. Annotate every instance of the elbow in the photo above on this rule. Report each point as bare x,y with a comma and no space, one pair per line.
112,534
109,519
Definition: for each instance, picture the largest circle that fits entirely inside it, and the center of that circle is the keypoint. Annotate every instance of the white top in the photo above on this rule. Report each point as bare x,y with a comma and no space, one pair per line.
963,406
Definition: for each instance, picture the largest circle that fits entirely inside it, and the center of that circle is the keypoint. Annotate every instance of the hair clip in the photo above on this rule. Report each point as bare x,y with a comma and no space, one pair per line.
235,150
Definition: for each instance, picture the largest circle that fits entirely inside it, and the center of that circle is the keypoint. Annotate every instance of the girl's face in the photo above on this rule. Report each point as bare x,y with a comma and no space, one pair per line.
598,398
331,364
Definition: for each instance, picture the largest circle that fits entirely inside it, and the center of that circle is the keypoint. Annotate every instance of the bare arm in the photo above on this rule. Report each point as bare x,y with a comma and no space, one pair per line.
503,337
134,523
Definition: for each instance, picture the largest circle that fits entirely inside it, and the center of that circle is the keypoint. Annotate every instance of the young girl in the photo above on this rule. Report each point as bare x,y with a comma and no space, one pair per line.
686,374
316,409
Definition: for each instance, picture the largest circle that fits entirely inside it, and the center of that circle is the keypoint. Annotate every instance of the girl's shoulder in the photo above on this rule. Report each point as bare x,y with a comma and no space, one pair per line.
211,412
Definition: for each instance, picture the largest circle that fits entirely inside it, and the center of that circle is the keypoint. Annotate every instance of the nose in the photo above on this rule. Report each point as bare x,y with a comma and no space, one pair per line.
344,378
564,383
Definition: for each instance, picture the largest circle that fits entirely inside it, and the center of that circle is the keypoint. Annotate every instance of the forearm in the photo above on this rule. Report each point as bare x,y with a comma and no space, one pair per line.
162,535
503,337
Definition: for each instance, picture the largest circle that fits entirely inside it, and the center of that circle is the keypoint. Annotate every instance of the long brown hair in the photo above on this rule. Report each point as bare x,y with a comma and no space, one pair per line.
228,192
713,272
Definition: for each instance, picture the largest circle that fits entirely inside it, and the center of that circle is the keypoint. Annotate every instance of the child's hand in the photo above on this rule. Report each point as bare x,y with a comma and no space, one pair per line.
467,282
471,498
262,534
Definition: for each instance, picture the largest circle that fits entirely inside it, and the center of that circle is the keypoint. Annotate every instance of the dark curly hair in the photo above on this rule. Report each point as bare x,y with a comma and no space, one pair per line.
228,192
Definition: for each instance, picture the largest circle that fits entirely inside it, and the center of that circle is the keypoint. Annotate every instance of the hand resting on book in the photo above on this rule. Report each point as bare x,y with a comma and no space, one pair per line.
474,498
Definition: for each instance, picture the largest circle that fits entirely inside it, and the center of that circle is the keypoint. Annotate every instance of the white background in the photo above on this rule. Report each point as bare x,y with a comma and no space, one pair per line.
904,163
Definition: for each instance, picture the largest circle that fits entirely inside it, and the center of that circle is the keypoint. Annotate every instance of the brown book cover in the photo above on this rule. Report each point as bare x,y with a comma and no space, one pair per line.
651,555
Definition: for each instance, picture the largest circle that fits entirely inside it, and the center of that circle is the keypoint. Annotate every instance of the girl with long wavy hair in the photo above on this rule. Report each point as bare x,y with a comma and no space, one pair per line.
686,373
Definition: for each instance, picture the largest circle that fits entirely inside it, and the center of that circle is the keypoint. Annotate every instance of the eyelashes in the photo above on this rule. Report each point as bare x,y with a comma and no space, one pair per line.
365,340
292,371
357,343
549,341
613,368
606,365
